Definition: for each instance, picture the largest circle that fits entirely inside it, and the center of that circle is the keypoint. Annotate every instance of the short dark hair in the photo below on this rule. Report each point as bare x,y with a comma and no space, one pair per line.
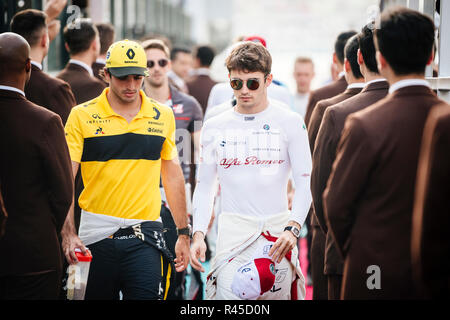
405,38
340,44
251,57
29,24
351,54
174,52
79,35
106,34
367,48
205,54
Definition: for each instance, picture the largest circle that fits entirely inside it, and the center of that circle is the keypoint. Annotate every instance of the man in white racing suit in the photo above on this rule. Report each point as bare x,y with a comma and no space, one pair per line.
252,150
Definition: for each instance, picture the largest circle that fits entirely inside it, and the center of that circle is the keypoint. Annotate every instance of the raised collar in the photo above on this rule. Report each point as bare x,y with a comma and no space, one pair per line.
37,64
8,88
82,64
407,83
147,108
358,85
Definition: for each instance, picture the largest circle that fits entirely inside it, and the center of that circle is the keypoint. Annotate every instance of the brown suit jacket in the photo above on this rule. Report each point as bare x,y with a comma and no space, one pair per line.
320,285
369,197
314,124
49,92
84,86
325,153
319,110
37,185
325,92
96,67
431,215
3,215
199,87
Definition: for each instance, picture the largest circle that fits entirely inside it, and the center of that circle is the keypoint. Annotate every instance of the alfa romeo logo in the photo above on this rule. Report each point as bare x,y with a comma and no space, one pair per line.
130,54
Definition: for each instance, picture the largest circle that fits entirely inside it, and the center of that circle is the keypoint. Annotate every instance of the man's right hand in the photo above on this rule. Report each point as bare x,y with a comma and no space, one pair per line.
71,241
198,250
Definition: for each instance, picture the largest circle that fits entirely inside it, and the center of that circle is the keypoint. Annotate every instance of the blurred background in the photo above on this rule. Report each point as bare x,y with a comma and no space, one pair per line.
291,28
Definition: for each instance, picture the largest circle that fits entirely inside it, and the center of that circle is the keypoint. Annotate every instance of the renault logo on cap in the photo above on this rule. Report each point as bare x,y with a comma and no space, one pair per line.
130,54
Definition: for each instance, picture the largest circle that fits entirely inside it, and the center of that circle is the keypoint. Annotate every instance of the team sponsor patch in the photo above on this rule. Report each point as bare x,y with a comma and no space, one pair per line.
178,108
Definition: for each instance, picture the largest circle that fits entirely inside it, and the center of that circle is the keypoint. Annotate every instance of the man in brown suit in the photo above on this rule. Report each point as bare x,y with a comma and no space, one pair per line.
83,44
42,89
327,140
369,196
106,34
200,84
336,87
355,83
431,218
316,237
36,178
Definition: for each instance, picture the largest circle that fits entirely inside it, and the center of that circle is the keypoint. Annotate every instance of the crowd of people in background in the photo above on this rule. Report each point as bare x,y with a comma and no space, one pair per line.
91,155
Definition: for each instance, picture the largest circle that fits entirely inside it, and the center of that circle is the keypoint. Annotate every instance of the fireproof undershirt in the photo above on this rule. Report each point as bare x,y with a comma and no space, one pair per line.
251,156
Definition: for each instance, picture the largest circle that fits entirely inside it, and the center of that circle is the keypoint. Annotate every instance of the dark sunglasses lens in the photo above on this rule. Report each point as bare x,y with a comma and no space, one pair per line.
163,62
150,64
236,84
252,84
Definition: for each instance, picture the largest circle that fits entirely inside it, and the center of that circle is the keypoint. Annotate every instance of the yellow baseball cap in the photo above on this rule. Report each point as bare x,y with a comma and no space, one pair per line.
126,58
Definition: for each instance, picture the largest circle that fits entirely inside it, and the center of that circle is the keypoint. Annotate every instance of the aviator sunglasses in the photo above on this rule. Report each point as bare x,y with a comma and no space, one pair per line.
162,63
252,84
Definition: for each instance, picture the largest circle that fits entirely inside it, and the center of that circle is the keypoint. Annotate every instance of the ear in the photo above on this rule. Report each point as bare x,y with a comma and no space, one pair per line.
431,59
67,47
107,75
335,60
381,61
94,44
28,65
347,67
360,58
269,79
45,41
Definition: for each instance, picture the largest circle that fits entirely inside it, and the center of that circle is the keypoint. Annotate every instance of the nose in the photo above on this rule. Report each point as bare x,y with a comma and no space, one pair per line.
131,82
244,88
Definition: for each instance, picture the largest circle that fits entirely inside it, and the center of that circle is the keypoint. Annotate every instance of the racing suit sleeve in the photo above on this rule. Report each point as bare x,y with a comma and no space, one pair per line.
206,185
301,165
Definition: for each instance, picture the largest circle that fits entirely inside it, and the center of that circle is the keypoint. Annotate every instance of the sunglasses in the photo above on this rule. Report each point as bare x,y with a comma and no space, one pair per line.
162,63
237,84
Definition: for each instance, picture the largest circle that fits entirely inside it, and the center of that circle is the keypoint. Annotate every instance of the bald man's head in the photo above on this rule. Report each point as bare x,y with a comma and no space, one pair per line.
14,57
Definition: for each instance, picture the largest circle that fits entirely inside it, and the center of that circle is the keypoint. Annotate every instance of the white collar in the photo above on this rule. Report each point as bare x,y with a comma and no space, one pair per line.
341,74
12,89
201,72
100,60
356,85
302,95
37,64
375,80
408,82
82,64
